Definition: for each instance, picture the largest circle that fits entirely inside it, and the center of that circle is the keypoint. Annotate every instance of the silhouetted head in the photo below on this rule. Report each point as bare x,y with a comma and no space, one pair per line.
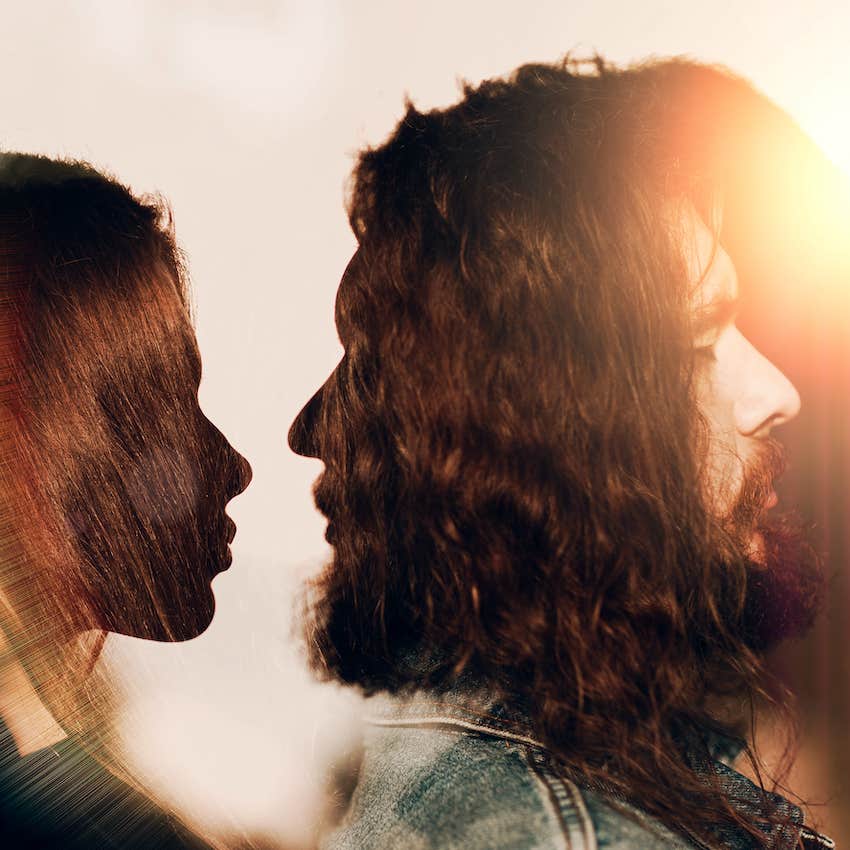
114,482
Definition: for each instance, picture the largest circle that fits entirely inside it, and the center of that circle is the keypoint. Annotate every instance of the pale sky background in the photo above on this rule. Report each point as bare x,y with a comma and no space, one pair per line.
246,116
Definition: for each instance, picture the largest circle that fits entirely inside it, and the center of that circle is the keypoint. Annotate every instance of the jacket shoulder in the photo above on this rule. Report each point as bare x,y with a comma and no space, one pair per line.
440,787
620,826
444,787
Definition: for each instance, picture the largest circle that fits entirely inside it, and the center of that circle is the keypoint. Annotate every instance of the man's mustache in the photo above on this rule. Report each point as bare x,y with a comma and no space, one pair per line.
760,475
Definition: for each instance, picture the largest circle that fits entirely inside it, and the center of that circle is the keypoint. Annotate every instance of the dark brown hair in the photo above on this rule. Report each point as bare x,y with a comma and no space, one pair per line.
114,482
511,444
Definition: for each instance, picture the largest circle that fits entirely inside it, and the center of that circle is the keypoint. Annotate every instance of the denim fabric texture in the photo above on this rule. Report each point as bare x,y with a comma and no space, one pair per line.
459,771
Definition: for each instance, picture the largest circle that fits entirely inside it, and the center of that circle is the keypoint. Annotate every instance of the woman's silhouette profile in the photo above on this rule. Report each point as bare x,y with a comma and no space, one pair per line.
113,487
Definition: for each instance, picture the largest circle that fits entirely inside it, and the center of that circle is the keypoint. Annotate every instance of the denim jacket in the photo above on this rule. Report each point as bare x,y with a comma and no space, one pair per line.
459,771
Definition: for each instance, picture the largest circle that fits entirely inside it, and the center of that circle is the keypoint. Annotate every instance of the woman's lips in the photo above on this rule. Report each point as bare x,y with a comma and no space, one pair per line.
226,556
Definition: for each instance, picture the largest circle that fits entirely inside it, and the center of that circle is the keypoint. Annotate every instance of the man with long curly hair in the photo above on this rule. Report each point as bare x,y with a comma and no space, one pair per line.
549,465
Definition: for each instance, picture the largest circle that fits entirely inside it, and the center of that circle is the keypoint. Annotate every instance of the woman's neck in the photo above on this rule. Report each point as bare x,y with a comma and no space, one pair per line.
27,718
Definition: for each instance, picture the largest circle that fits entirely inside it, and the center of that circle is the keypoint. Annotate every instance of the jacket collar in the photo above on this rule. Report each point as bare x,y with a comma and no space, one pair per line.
474,708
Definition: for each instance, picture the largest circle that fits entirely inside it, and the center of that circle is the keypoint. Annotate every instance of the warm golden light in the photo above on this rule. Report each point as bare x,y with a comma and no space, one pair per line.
245,115
828,123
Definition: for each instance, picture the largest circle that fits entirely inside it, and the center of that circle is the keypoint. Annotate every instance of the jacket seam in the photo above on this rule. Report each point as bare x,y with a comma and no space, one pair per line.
553,802
468,713
580,834
447,720
579,831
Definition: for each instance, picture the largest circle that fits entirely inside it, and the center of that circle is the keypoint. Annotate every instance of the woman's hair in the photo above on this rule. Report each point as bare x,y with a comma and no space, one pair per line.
113,481
511,440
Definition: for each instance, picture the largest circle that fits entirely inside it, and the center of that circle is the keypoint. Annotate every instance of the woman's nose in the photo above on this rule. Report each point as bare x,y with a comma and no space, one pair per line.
244,473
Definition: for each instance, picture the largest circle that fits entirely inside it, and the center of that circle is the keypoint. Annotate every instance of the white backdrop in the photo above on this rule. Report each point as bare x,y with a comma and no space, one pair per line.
246,114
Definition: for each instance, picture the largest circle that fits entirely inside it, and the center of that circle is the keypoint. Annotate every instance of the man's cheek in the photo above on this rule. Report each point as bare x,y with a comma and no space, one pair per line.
756,550
722,479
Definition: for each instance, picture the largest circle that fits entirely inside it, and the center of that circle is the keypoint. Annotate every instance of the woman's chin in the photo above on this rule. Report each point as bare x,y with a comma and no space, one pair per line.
189,622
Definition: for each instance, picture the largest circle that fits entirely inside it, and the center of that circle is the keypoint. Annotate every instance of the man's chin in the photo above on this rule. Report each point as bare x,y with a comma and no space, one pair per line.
757,549
786,585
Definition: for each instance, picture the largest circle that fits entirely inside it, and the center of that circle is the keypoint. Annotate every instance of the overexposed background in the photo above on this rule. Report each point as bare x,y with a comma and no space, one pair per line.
245,114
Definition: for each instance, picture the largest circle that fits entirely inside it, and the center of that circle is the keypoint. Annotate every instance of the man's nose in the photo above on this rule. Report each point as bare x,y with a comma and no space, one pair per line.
768,398
302,432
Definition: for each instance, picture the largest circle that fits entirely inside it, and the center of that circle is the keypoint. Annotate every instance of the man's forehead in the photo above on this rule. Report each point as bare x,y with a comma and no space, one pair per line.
714,280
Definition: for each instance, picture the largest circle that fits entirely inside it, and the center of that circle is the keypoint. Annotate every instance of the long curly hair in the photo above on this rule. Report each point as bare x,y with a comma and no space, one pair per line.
512,446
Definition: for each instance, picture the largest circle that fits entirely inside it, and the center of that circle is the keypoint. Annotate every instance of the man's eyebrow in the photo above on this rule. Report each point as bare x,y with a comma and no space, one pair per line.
716,314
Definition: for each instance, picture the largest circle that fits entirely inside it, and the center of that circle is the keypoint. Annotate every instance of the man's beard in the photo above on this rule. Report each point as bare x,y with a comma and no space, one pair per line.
786,584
